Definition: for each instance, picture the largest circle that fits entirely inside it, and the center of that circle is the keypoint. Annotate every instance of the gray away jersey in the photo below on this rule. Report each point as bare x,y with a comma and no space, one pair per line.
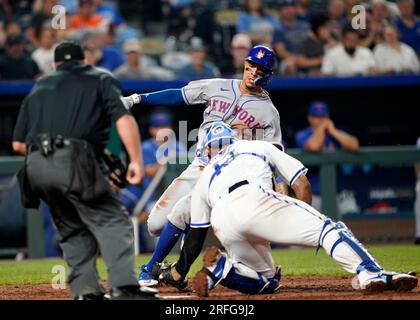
226,103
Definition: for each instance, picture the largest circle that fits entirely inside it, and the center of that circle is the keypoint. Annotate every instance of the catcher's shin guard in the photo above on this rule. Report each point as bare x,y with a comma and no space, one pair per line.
340,243
218,269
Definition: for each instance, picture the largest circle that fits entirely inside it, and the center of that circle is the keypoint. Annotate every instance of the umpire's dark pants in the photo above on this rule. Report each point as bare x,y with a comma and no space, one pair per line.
85,227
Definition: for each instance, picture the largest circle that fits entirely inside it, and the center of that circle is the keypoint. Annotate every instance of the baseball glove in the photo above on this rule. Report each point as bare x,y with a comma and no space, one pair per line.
166,277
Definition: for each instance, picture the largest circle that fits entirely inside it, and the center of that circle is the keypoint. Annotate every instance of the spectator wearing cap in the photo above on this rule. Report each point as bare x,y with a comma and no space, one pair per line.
289,37
256,22
137,67
322,135
44,55
393,56
155,151
16,64
409,25
349,58
239,48
199,68
320,39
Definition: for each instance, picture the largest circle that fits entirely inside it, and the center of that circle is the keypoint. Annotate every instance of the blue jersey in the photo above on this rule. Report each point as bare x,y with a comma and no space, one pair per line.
329,144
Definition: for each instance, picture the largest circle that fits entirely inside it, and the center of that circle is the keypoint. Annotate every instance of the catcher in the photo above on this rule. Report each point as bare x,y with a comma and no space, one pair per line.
247,215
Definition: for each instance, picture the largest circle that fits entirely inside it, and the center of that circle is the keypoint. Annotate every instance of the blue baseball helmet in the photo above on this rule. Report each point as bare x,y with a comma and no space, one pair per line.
266,58
219,134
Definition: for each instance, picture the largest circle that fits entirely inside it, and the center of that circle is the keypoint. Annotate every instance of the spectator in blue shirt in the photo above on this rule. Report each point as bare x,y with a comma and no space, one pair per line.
289,37
199,68
255,22
322,135
409,25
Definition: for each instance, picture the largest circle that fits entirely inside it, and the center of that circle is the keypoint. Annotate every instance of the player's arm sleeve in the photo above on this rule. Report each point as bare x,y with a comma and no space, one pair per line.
288,167
111,97
169,97
21,127
191,249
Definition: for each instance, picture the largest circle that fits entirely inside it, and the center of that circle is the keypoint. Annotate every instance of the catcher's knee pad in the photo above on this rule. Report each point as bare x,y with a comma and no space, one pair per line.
342,245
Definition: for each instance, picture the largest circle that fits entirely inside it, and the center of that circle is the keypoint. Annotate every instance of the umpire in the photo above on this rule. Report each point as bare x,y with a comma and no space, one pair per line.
63,127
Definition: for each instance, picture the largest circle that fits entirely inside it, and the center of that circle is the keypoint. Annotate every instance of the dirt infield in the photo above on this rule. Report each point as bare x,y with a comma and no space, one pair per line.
294,288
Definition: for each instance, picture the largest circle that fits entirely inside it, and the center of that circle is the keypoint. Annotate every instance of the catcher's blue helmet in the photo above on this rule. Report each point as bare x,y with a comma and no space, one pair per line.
219,134
265,57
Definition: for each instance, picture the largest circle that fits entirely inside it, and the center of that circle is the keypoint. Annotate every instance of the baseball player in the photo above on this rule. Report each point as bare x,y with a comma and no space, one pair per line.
247,215
240,103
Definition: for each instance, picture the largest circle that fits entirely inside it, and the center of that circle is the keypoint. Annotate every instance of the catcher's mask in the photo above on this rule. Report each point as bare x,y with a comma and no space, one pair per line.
264,57
219,135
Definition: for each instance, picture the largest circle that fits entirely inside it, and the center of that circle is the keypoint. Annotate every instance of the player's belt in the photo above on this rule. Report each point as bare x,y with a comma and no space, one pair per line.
237,185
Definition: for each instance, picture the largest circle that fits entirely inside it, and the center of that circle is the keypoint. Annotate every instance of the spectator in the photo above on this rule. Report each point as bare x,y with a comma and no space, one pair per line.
199,68
255,22
107,55
337,14
409,25
86,17
41,17
289,37
155,151
44,55
320,39
239,48
6,10
393,56
303,10
15,64
377,20
322,135
349,58
135,69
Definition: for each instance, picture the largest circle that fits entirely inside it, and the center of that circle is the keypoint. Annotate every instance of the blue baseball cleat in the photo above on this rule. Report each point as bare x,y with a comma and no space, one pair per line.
148,278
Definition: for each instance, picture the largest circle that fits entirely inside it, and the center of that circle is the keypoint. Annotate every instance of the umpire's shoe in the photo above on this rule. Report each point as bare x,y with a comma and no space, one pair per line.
134,292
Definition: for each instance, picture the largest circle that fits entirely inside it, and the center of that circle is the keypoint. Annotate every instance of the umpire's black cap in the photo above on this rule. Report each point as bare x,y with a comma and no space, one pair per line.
68,50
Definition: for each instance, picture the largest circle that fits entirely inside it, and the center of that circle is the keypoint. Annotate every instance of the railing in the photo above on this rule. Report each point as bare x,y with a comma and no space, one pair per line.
327,161
278,83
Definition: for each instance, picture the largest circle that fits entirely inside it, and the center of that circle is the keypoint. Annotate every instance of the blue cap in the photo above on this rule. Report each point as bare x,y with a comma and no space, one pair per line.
219,133
160,119
318,109
262,56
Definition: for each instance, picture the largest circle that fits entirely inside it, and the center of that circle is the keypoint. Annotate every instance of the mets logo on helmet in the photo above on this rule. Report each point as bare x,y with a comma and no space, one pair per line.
260,54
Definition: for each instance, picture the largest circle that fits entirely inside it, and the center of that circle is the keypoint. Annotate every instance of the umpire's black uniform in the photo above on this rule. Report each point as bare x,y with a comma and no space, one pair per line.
65,122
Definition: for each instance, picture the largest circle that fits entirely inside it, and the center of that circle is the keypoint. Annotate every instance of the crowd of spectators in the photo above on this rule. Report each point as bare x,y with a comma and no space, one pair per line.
310,37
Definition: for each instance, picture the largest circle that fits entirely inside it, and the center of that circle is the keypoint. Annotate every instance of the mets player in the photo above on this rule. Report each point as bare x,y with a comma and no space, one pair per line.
235,196
240,103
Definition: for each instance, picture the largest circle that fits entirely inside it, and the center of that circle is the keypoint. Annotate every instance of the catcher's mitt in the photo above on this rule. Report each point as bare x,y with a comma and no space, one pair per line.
166,277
